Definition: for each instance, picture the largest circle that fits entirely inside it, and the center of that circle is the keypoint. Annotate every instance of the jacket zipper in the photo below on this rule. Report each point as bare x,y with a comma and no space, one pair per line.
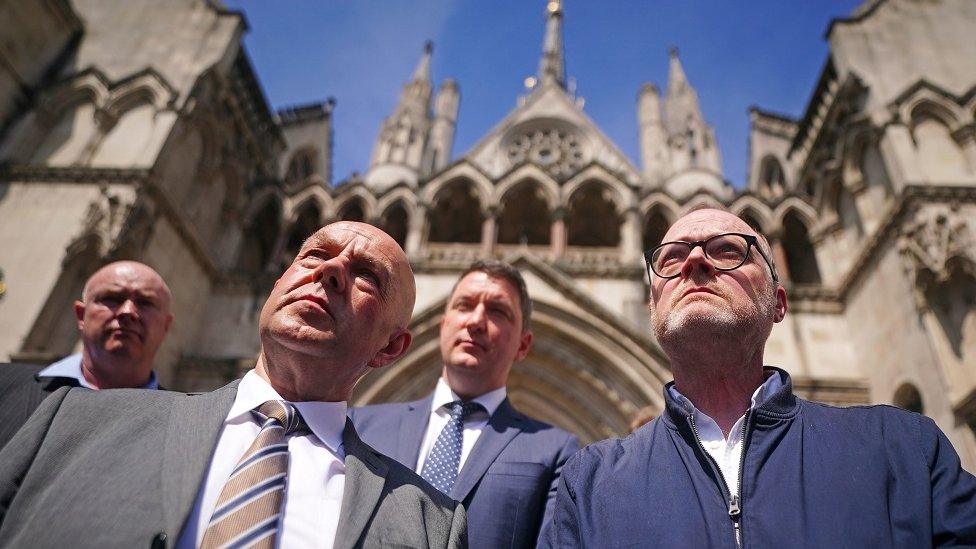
735,504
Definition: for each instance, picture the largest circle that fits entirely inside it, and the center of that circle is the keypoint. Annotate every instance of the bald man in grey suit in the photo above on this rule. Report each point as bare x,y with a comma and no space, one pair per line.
126,468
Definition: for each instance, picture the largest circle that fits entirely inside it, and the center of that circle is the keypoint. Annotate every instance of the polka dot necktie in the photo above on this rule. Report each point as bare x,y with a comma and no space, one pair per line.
249,506
444,460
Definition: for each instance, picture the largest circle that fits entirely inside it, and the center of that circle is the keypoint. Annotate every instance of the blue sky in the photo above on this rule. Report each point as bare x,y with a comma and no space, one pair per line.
736,54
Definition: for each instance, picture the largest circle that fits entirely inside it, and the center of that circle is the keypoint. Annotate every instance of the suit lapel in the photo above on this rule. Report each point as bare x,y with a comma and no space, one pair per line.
191,435
365,476
502,427
413,427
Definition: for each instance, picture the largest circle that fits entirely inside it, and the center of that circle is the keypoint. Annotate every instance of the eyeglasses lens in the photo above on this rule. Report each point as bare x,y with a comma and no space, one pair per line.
724,252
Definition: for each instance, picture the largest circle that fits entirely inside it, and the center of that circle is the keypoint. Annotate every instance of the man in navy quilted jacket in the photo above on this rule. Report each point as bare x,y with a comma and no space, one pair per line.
736,459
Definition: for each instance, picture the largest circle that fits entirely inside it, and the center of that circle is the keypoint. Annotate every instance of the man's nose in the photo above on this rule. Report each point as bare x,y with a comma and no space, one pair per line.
476,319
697,260
128,307
332,273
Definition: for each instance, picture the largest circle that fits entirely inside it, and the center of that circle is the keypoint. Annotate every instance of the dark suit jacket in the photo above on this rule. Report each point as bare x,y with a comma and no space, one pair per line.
21,393
508,482
122,468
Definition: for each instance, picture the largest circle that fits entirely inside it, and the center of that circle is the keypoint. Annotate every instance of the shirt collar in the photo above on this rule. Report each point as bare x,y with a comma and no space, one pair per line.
326,420
773,383
491,400
70,367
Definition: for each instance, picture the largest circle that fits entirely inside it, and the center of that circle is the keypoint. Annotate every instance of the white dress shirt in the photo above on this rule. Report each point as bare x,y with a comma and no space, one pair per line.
474,424
316,471
727,452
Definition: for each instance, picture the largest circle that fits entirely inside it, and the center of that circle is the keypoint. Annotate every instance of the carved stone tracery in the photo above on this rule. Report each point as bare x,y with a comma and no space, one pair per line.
931,243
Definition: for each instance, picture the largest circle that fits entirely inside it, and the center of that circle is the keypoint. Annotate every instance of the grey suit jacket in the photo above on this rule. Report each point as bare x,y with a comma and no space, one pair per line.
21,393
507,484
122,468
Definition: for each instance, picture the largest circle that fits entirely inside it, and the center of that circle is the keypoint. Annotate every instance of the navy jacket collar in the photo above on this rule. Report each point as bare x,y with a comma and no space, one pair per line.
781,405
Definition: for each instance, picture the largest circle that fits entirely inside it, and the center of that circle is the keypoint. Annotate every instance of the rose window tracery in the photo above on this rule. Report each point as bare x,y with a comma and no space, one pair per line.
558,151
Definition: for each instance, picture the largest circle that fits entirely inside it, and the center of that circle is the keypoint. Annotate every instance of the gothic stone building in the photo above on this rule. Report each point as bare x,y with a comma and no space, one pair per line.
139,130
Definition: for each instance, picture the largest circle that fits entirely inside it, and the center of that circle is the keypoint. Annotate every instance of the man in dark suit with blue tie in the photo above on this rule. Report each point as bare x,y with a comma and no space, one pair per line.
466,438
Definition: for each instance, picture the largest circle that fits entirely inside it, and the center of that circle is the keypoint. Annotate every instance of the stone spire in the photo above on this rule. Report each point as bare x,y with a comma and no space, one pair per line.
681,101
692,141
422,72
552,66
399,150
655,158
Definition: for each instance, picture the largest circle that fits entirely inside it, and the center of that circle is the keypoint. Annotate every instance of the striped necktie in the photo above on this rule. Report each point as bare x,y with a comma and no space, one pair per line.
442,464
249,507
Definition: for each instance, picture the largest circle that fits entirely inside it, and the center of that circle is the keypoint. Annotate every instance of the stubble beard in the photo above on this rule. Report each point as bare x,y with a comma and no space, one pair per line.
698,326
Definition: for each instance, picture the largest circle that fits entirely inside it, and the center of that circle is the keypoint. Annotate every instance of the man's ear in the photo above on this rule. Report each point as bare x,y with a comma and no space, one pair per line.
781,304
525,344
169,322
397,346
80,314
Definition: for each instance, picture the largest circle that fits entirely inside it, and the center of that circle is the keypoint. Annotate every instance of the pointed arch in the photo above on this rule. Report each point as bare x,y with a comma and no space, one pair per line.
314,194
480,184
754,212
620,194
456,213
302,164
525,214
355,203
305,220
772,177
261,231
546,184
801,258
594,215
395,221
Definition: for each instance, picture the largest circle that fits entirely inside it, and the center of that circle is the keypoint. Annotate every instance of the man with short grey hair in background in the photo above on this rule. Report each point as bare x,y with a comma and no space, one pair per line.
123,317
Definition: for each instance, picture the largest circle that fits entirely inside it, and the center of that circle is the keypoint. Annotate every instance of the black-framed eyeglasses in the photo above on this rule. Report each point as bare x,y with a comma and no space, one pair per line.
726,252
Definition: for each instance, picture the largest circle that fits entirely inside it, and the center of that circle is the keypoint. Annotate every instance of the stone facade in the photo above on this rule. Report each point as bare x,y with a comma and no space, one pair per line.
868,198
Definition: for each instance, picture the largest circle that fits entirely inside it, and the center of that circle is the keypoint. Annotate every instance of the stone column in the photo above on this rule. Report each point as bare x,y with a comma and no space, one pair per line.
966,137
630,236
489,232
779,256
557,233
415,230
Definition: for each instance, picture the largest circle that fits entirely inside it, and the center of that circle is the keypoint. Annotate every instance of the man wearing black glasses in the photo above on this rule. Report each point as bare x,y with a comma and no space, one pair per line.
736,458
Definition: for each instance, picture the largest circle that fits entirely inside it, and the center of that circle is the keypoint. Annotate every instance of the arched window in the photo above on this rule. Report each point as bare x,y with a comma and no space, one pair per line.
908,398
308,221
751,221
772,180
395,222
260,236
801,260
655,226
592,218
353,210
456,215
525,216
301,166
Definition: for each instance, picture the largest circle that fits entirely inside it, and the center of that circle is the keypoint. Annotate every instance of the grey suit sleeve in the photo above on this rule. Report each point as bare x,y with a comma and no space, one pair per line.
457,538
18,455
568,450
